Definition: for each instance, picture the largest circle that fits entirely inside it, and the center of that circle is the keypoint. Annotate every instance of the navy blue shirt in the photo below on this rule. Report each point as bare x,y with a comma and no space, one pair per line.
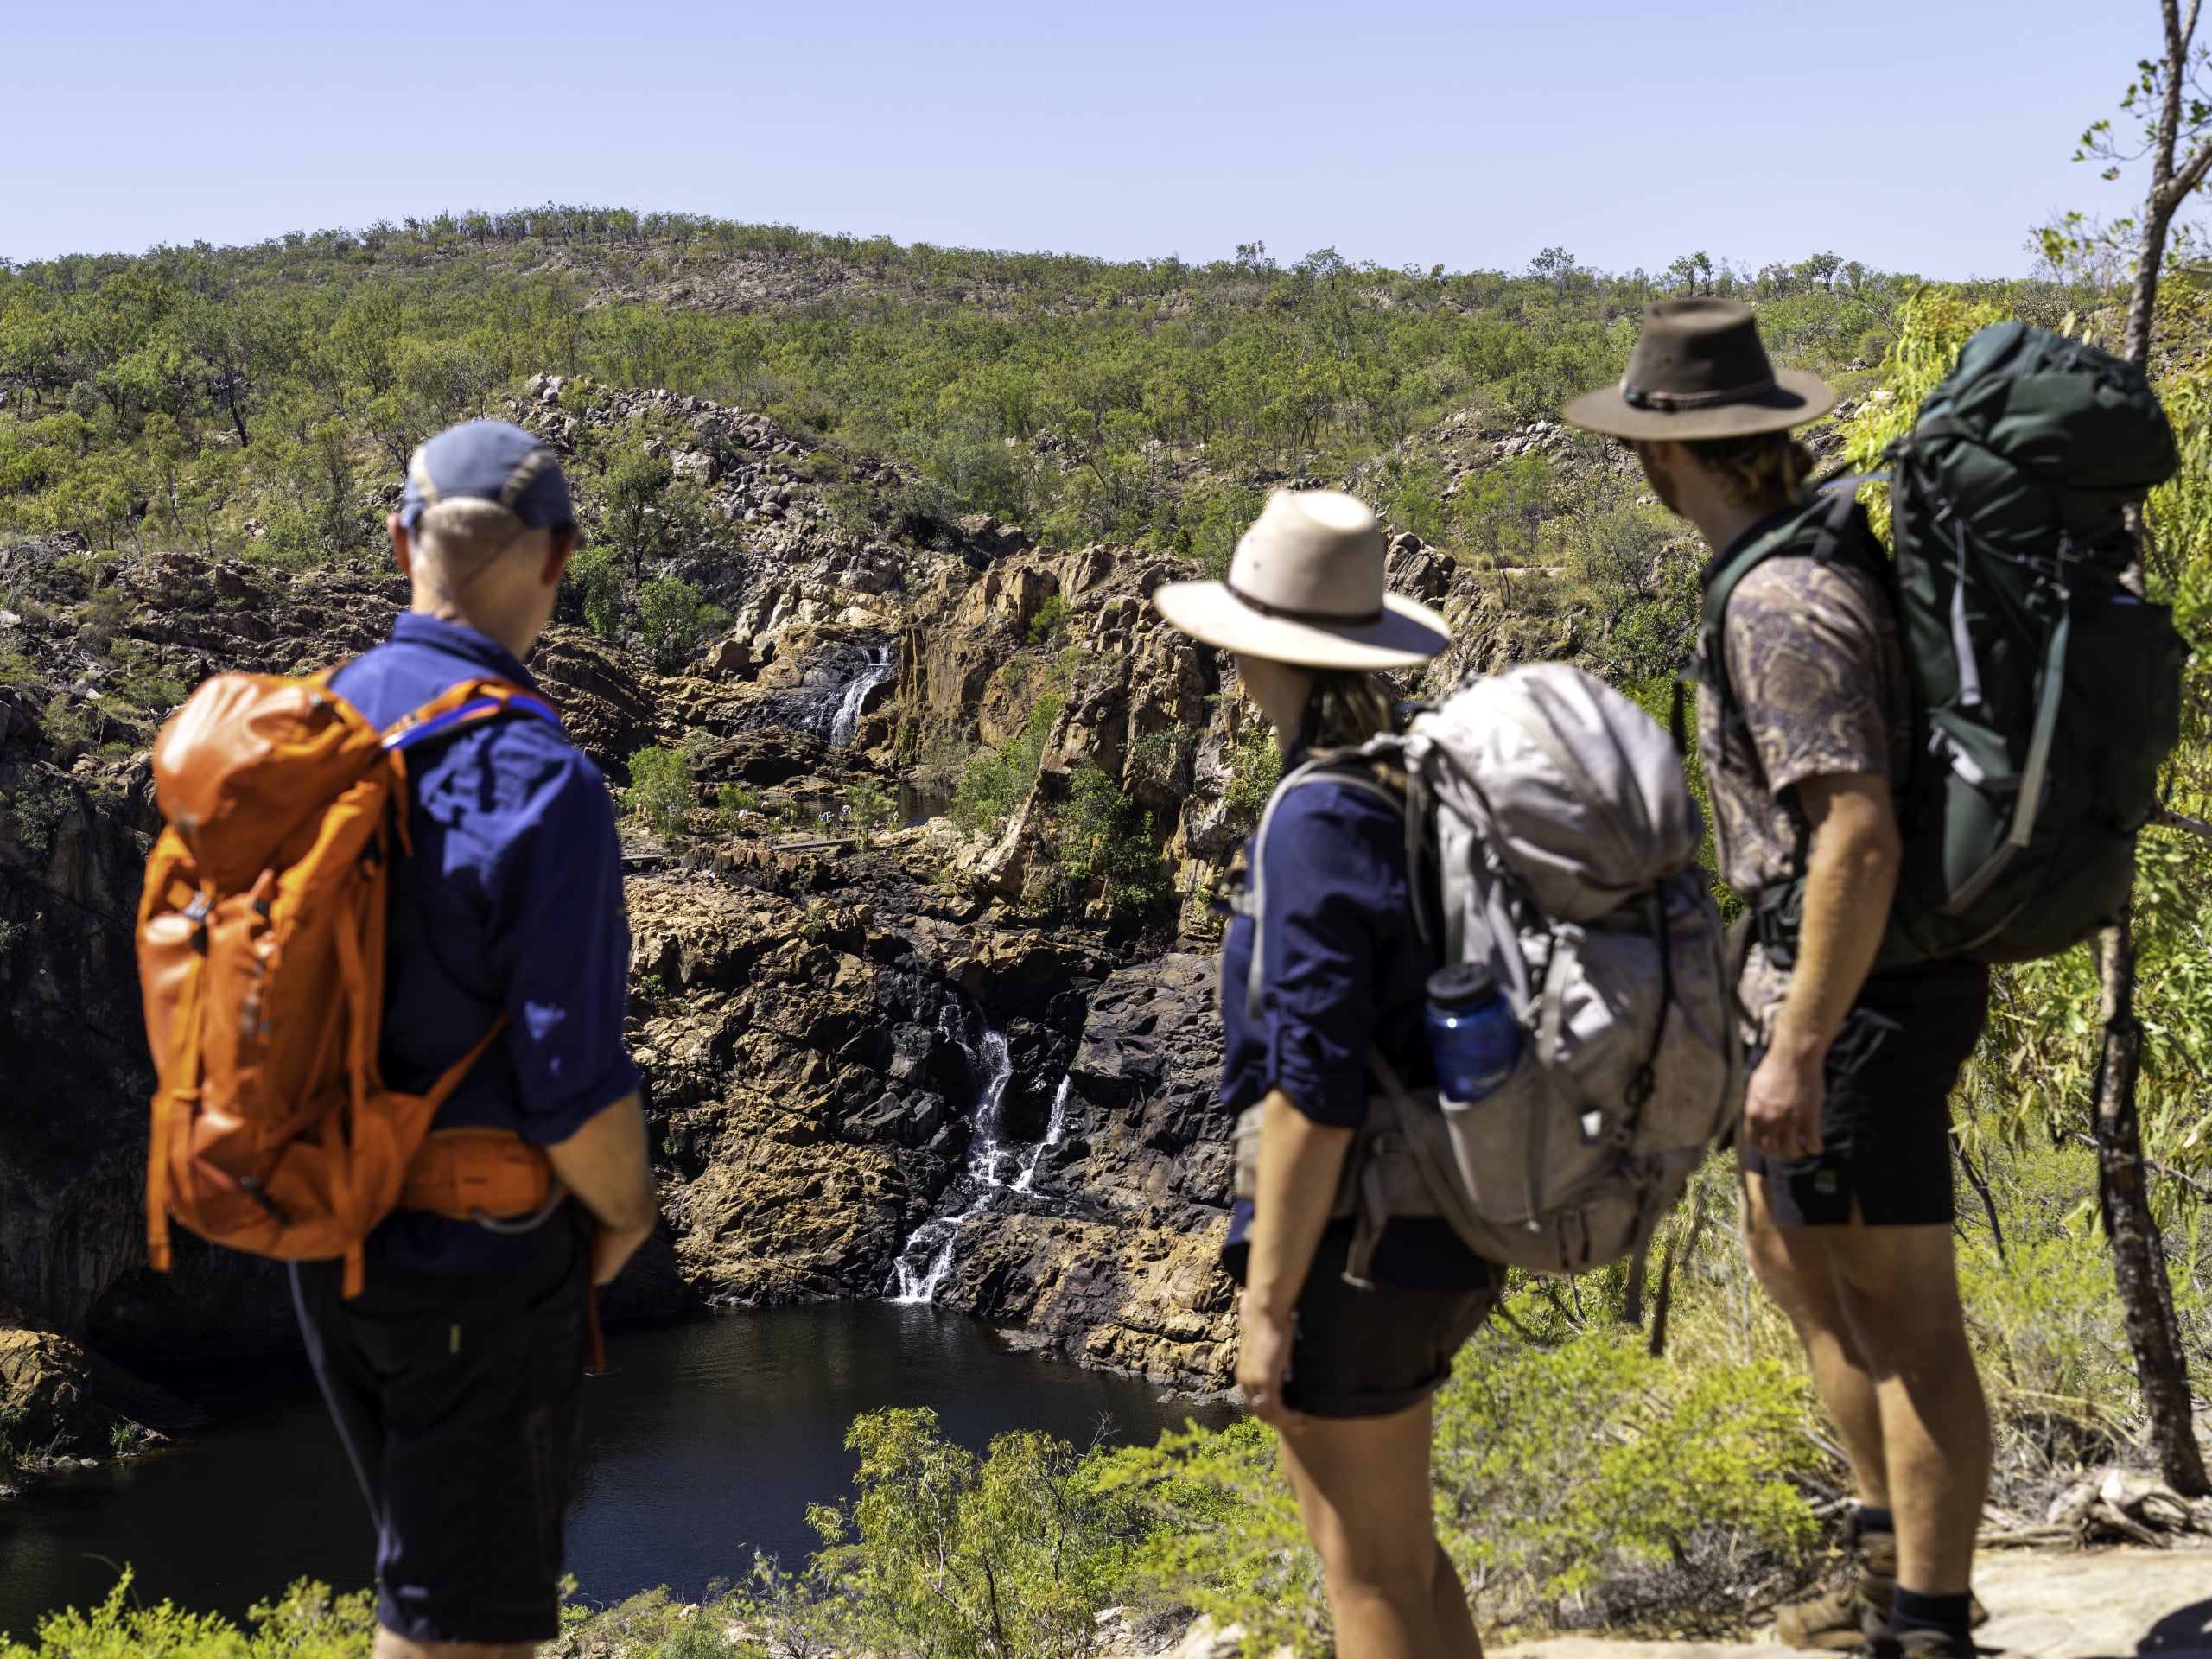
512,901
1343,969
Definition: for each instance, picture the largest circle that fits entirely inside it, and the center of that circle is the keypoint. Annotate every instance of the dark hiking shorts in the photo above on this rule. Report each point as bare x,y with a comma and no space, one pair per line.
460,1399
1885,1130
1369,1353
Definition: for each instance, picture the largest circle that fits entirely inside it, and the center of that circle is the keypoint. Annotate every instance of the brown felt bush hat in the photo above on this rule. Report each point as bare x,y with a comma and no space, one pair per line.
1698,372
1307,587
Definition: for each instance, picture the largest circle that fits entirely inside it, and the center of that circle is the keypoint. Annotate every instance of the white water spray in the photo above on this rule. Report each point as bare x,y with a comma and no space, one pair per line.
1056,1131
847,722
928,1256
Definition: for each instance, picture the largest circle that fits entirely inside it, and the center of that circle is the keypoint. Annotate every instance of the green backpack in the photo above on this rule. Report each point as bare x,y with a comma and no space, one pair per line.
2047,696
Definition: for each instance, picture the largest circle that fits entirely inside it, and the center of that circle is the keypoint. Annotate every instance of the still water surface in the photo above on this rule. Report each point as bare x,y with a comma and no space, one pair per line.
704,1441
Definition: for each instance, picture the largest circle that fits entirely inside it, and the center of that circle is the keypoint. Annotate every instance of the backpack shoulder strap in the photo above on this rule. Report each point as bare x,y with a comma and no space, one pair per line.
1720,579
1838,538
1333,769
465,704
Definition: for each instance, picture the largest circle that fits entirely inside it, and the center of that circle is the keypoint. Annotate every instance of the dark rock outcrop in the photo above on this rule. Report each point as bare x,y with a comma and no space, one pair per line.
1115,1262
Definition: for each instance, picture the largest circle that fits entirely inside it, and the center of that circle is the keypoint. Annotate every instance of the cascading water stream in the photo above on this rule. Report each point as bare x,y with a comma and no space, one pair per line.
1056,1131
923,1265
928,1256
846,722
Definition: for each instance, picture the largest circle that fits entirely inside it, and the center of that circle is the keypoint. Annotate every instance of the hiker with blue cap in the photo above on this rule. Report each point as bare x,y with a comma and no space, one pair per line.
456,1374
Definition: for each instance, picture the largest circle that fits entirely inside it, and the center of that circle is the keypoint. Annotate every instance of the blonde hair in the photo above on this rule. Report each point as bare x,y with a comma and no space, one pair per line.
1346,707
1765,467
456,539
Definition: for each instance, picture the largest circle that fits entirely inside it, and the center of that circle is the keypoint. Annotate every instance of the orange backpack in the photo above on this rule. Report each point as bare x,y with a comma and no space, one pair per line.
261,942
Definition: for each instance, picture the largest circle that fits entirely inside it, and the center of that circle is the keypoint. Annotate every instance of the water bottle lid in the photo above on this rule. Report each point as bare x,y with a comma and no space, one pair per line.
1461,985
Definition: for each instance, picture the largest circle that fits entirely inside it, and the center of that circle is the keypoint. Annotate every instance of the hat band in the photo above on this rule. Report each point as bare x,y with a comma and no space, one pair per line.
1667,401
1315,619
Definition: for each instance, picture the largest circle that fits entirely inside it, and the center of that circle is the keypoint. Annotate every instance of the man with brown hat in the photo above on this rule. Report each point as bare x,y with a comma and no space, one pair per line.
1804,724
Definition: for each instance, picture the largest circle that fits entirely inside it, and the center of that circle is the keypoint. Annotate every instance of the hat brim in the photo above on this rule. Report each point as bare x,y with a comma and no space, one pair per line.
1797,397
1408,633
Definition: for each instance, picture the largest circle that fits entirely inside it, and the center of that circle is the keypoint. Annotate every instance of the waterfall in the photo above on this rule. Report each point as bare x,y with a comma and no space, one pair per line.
881,667
1056,1131
928,1256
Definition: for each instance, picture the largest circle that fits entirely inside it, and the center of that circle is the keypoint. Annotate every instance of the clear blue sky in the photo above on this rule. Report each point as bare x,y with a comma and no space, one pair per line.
1926,135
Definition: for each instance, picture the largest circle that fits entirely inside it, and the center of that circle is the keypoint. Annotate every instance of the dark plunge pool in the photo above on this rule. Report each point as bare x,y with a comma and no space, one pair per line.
702,1442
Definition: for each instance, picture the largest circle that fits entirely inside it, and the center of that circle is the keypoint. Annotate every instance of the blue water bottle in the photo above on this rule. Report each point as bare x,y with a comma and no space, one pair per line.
1471,1031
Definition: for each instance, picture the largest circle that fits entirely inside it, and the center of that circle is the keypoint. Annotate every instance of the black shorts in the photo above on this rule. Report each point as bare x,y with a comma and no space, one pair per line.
460,1397
1885,1130
1369,1353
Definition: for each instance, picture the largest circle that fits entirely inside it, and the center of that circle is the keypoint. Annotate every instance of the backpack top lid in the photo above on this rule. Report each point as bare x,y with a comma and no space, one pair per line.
245,770
2076,417
1575,789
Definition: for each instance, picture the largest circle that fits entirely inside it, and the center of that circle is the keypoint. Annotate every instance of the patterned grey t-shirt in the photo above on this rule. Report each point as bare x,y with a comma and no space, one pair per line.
1817,681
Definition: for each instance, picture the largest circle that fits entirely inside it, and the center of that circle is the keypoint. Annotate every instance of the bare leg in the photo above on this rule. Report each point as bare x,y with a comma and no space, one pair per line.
392,1645
1455,1621
1899,1290
1363,1489
1796,1265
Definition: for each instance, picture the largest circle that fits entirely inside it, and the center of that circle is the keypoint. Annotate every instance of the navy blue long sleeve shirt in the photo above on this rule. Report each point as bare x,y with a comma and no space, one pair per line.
512,902
1343,969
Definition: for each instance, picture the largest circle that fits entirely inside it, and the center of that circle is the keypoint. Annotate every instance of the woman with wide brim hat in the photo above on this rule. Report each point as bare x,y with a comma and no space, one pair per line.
1345,1373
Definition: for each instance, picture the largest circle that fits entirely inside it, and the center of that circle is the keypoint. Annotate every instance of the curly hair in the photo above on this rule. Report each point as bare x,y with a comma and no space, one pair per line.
1765,467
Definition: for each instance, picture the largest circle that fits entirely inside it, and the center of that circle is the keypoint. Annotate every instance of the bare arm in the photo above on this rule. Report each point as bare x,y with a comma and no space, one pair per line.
1300,1162
1850,876
604,1164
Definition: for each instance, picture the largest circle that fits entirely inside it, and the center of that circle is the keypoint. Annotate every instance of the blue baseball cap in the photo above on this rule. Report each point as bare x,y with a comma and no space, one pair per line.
488,460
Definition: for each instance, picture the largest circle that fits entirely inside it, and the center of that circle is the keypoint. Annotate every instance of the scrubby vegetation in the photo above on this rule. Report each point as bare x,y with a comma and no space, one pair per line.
264,399
660,790
306,1622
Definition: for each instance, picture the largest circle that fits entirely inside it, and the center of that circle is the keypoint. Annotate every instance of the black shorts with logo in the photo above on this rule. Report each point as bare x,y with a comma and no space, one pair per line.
1885,1130
460,1397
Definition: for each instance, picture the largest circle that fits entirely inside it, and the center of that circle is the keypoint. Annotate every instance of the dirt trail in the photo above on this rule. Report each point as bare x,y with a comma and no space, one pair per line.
2104,1603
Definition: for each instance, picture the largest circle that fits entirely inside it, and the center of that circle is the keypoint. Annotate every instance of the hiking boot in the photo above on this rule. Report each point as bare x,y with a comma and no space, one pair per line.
1842,1614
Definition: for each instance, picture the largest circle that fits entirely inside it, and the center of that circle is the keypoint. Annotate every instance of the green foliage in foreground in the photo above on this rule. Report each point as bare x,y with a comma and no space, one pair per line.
307,1622
944,1553
1555,1466
1555,1469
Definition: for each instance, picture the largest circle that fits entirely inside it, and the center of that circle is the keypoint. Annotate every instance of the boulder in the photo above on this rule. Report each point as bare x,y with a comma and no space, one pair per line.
72,1402
730,659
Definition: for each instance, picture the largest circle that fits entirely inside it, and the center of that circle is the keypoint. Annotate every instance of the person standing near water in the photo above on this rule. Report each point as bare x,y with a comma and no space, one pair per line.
1345,1373
456,1375
1846,1153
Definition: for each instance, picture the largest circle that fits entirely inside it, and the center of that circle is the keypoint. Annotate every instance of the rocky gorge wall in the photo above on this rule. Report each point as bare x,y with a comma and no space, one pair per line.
924,1065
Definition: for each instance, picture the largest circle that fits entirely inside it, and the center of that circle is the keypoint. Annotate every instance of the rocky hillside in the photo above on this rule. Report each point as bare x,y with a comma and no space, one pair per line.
946,1062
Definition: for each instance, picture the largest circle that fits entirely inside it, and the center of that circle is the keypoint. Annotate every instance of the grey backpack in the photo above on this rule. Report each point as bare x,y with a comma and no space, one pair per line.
1564,838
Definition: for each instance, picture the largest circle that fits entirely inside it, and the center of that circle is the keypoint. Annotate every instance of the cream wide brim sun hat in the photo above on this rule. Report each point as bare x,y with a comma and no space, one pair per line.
1307,587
